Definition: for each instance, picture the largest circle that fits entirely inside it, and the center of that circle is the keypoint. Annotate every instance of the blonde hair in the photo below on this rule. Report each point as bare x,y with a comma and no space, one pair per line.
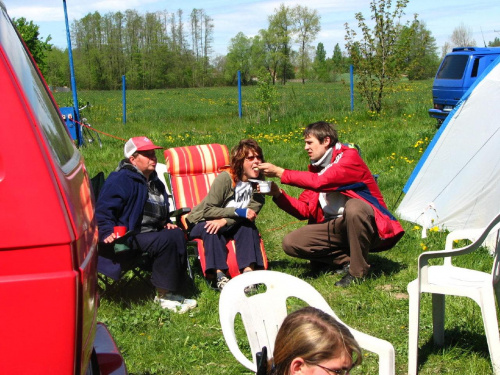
314,336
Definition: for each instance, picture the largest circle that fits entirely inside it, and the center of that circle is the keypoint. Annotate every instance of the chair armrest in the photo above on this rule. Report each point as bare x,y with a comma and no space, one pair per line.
180,211
479,234
176,215
423,259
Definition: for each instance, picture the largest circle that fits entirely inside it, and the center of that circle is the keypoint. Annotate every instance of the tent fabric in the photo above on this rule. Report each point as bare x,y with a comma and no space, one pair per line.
456,184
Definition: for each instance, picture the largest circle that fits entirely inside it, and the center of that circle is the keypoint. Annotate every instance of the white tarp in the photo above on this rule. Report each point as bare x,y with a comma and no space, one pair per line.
456,184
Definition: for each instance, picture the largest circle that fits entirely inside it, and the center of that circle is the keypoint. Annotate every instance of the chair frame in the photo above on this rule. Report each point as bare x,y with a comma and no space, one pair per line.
183,211
479,286
263,313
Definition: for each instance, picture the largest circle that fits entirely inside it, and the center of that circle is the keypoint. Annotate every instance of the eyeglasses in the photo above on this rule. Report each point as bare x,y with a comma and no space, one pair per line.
332,371
253,157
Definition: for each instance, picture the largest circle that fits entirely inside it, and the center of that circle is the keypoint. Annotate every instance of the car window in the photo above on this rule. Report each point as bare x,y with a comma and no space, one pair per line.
453,67
39,100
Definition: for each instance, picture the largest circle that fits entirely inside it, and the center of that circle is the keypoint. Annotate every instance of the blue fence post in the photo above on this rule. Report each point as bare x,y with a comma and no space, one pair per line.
78,135
239,94
351,70
124,99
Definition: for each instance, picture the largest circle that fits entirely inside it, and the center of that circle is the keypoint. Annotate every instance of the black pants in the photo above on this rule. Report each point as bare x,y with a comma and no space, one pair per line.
247,243
167,248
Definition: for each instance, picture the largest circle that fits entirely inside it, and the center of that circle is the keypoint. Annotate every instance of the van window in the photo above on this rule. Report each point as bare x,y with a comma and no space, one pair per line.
63,149
452,67
475,67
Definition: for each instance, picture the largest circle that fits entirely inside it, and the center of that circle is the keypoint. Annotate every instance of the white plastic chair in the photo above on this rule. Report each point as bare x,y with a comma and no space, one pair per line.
263,313
440,280
161,170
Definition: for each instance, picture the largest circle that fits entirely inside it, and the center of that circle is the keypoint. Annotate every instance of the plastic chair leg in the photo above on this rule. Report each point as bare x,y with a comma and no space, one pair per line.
489,314
438,310
413,326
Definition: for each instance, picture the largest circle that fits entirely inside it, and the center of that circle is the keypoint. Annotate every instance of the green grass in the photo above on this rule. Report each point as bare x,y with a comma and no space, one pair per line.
157,342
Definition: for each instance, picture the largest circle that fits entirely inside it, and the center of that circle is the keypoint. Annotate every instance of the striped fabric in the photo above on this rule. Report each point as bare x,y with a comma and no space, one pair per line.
192,169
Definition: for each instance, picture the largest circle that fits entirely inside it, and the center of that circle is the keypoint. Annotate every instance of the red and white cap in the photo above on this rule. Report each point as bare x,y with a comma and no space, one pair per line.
138,144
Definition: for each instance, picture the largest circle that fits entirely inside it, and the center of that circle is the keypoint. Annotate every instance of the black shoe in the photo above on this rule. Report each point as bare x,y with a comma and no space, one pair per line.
317,268
344,270
346,280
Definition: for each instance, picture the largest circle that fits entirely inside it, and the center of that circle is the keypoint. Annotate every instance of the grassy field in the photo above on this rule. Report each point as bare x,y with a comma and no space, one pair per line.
154,341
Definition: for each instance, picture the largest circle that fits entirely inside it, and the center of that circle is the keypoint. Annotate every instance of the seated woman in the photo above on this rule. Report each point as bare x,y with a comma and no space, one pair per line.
311,341
228,212
135,198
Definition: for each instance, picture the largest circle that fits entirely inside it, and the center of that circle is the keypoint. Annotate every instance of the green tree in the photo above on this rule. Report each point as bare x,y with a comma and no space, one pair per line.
320,64
376,58
307,26
267,94
37,47
269,49
57,68
338,59
239,58
280,30
419,46
494,43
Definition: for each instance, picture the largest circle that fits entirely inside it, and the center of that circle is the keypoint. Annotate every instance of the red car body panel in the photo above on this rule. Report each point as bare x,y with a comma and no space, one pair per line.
48,233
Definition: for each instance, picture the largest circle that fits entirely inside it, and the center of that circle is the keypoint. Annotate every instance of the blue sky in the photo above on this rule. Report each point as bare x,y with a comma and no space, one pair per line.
230,17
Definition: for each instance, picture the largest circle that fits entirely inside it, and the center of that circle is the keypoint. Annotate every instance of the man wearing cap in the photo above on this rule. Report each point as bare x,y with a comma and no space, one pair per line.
134,197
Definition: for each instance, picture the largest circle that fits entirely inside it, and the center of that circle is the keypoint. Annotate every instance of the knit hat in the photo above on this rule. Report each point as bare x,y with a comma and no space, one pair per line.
138,144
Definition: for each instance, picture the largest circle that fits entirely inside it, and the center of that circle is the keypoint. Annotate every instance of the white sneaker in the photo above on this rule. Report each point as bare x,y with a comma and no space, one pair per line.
174,305
185,301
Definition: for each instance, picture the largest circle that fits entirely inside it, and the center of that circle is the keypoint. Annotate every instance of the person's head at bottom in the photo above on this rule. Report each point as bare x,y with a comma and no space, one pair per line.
311,342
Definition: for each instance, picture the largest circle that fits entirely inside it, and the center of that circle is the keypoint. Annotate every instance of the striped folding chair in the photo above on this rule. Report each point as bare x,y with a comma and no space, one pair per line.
191,171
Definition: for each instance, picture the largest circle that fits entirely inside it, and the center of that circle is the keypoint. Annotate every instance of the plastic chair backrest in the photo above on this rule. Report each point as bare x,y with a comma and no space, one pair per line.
161,169
263,313
192,170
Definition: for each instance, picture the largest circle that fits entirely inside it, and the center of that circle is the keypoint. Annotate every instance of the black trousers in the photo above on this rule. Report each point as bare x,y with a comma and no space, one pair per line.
247,241
167,248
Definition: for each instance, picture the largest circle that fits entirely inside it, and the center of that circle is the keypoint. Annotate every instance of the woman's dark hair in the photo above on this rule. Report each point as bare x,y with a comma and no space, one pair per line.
240,152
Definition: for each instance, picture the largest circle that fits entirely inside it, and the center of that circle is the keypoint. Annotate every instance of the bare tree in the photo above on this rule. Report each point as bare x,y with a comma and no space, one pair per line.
462,36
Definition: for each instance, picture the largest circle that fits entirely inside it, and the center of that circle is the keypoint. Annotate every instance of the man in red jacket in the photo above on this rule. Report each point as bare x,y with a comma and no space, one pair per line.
345,209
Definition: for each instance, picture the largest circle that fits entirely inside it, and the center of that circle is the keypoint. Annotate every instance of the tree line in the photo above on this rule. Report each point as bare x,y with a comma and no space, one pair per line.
169,49
153,50
159,50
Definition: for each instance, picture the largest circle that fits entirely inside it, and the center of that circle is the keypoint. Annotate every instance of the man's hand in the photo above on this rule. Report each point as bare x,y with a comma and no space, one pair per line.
275,190
110,239
170,226
271,170
213,226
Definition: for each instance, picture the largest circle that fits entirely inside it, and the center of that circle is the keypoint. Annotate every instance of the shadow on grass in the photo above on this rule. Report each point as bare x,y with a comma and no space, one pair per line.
455,340
132,290
381,265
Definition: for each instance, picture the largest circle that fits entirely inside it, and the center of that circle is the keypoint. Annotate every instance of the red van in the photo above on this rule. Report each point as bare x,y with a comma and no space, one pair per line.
48,234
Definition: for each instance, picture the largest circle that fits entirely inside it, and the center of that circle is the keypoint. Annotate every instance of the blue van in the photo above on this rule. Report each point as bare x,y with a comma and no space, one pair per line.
457,72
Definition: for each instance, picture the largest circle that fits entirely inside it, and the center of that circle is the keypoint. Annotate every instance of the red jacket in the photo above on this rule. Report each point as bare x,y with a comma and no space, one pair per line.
348,174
